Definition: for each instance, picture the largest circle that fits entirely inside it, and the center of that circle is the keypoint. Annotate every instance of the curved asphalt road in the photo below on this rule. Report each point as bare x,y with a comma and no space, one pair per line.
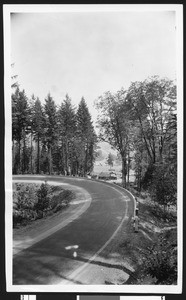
53,260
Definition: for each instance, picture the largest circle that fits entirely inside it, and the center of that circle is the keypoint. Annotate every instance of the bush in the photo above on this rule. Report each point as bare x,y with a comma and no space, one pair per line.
164,186
59,206
61,200
161,214
43,198
161,261
31,202
25,196
24,199
66,195
23,216
148,177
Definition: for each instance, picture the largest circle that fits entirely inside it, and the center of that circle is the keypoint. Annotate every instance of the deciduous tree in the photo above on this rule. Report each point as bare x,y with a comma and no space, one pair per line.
115,125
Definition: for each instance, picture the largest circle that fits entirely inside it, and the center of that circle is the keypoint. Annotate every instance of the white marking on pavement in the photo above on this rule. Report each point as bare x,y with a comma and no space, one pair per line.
72,247
75,254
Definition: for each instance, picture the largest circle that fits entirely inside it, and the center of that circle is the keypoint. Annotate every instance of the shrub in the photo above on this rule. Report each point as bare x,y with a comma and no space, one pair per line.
31,202
67,195
58,207
43,198
61,200
23,216
163,188
24,199
148,177
165,215
24,196
161,261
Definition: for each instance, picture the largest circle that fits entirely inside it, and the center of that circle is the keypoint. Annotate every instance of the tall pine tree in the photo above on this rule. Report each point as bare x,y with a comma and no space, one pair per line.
67,131
86,138
38,123
20,121
50,111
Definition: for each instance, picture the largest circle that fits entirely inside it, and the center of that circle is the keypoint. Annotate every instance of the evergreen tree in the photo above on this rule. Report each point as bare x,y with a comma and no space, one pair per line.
50,131
67,131
38,123
86,139
20,121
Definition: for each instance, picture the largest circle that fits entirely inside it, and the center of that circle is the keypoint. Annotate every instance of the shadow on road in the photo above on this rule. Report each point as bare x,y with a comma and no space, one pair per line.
39,267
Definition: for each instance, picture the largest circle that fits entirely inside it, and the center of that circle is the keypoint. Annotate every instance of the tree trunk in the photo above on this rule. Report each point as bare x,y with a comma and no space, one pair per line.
77,167
66,158
124,171
50,160
139,181
161,150
63,159
31,155
128,168
13,157
19,157
85,165
24,163
38,156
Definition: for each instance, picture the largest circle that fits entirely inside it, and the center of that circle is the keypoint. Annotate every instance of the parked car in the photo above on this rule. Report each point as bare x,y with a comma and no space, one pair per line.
113,175
107,176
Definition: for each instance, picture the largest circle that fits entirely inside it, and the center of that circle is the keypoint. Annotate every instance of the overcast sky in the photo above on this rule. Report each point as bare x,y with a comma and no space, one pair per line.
86,54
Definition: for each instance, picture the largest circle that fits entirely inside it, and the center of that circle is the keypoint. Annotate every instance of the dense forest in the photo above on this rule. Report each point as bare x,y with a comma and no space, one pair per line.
140,122
50,139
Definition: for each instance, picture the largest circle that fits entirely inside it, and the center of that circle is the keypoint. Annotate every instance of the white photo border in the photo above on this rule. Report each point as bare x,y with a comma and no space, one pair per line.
161,289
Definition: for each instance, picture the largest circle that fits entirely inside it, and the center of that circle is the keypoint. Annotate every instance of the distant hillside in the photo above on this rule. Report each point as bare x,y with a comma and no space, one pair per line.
101,164
104,150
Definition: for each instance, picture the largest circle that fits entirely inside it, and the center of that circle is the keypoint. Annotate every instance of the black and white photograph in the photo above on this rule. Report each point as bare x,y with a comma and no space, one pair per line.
93,148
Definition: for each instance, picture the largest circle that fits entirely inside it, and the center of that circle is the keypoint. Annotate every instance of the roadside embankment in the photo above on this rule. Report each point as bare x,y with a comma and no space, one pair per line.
148,256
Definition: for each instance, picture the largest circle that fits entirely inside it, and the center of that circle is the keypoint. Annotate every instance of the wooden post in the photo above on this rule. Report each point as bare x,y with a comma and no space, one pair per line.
136,217
136,224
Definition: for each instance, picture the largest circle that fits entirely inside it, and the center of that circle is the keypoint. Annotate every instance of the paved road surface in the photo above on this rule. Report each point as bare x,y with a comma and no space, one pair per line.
74,254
